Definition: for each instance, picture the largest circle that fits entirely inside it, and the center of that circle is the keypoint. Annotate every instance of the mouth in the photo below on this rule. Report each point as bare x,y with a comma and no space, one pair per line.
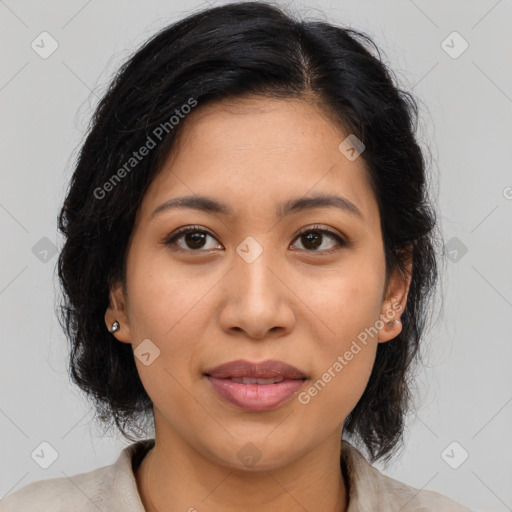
256,387
252,380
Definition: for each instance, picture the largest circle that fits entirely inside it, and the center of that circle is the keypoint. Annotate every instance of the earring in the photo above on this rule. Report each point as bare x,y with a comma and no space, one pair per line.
115,326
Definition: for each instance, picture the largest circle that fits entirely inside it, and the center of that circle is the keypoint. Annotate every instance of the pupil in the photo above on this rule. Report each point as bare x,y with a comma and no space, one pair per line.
196,244
311,236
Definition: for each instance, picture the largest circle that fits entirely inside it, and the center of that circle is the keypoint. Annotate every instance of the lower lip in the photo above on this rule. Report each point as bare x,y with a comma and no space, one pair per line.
256,397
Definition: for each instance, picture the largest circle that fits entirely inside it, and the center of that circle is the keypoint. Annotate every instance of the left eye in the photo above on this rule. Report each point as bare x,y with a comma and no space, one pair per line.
315,236
195,239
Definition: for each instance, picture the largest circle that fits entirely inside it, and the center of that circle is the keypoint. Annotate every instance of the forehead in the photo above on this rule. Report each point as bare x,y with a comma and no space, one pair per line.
260,151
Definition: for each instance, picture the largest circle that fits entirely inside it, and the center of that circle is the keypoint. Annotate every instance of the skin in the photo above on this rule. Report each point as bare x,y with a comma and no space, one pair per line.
295,303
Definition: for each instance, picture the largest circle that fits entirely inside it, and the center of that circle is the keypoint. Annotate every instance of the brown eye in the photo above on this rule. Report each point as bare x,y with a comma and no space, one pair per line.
193,237
313,238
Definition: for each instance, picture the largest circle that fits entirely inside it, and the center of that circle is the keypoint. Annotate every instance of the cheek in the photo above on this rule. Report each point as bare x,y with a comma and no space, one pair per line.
330,398
162,296
347,302
348,305
165,309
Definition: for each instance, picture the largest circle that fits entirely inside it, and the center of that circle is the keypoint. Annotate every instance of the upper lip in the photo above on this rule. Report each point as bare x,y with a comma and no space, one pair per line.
263,370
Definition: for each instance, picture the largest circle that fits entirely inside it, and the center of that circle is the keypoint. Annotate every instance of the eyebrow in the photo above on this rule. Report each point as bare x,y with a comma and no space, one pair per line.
211,205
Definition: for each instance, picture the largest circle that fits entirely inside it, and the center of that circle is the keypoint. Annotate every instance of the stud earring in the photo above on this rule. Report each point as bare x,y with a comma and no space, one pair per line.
115,326
393,322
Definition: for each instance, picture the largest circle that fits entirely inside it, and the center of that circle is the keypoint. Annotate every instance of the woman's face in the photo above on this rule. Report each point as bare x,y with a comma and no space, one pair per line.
246,285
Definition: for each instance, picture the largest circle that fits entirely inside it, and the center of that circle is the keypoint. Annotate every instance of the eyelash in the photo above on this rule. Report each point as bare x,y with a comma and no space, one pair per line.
171,239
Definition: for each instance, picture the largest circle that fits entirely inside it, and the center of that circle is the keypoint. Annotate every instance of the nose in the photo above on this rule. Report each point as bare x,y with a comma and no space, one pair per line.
258,301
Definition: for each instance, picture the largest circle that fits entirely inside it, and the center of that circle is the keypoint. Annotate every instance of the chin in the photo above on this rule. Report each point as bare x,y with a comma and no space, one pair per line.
255,452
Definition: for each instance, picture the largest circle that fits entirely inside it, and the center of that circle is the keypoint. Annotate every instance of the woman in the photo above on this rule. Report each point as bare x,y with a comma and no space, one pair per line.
249,258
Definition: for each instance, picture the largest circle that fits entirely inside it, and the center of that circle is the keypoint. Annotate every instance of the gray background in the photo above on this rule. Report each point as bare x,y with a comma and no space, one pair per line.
464,394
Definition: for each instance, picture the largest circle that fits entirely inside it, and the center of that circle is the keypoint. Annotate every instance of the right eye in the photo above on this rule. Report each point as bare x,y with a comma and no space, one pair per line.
194,238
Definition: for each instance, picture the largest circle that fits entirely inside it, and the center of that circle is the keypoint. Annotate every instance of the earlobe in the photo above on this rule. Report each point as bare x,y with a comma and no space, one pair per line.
390,323
116,318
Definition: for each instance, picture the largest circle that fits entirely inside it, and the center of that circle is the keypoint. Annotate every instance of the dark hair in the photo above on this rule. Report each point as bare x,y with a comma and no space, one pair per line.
236,50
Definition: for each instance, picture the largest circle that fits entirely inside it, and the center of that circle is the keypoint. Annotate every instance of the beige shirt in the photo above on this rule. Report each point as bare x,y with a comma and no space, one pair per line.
114,489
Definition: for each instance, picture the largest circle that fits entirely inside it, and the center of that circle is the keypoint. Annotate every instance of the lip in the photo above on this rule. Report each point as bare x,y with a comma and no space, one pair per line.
268,369
256,397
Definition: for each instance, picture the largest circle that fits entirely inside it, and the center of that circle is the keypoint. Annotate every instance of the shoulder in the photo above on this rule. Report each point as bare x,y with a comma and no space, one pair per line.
412,499
84,492
112,488
369,489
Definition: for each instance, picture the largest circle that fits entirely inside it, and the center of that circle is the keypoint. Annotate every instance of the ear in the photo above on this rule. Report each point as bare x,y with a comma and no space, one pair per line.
395,300
117,311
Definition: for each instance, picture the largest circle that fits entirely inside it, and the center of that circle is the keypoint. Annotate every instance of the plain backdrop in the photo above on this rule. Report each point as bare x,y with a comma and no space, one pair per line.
454,56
